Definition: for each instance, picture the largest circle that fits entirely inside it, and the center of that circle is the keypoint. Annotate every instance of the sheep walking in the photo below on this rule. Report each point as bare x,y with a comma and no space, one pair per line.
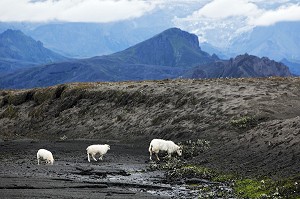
157,145
46,155
97,148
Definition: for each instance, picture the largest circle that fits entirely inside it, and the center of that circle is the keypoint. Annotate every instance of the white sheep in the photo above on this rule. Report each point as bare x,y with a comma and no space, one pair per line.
97,148
46,155
157,145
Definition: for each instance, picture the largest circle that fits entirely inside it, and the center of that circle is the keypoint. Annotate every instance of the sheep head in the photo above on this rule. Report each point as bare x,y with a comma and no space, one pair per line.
179,151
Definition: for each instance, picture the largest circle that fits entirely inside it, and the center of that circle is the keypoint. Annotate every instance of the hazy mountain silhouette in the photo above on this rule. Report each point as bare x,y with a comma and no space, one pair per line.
171,54
241,66
18,51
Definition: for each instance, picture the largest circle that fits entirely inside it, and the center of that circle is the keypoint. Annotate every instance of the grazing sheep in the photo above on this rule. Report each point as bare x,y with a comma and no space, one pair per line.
46,155
157,145
97,148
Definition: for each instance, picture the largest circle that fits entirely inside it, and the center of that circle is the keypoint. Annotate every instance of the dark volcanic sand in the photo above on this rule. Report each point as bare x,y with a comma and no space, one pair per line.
122,173
179,110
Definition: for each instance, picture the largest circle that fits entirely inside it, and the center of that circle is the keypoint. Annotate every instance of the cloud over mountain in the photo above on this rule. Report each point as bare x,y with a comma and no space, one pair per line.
283,13
220,21
73,10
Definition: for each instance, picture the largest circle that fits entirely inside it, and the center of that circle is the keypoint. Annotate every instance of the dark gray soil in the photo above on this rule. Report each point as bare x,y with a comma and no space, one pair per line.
252,124
122,174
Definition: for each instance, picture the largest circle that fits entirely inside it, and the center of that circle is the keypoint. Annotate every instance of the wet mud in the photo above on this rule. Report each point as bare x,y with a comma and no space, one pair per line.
123,173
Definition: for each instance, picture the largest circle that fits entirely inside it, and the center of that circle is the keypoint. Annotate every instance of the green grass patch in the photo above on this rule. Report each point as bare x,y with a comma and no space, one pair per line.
243,122
249,188
267,188
224,178
10,112
43,95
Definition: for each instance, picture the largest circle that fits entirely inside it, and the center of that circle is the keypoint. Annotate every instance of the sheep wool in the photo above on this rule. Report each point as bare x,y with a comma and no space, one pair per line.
95,149
46,155
157,145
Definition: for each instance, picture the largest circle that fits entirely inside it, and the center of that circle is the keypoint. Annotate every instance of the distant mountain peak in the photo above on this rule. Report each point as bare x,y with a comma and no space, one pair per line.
15,45
173,47
191,39
12,31
17,35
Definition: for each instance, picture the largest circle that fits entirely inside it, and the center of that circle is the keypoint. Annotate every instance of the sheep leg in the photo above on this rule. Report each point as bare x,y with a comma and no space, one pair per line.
89,157
38,161
101,157
150,155
156,154
93,156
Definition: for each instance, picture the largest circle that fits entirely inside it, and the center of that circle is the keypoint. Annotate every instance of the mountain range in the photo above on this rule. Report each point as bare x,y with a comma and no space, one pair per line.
18,51
83,40
171,54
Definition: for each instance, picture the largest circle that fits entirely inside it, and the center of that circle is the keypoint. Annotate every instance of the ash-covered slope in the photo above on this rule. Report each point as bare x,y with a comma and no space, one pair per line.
251,122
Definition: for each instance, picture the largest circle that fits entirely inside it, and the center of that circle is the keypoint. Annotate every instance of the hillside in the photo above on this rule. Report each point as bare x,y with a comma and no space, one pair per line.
19,51
240,66
172,47
251,122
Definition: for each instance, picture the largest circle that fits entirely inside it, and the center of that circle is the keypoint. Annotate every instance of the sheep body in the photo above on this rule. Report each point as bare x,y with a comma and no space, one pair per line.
170,147
95,149
46,155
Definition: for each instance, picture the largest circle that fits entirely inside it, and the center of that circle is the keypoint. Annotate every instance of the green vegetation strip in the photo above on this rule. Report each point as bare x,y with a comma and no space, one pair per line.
242,187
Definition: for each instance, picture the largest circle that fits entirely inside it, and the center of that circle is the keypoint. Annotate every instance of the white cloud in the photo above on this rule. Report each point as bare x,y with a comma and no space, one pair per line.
227,8
284,13
220,21
73,10
253,10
